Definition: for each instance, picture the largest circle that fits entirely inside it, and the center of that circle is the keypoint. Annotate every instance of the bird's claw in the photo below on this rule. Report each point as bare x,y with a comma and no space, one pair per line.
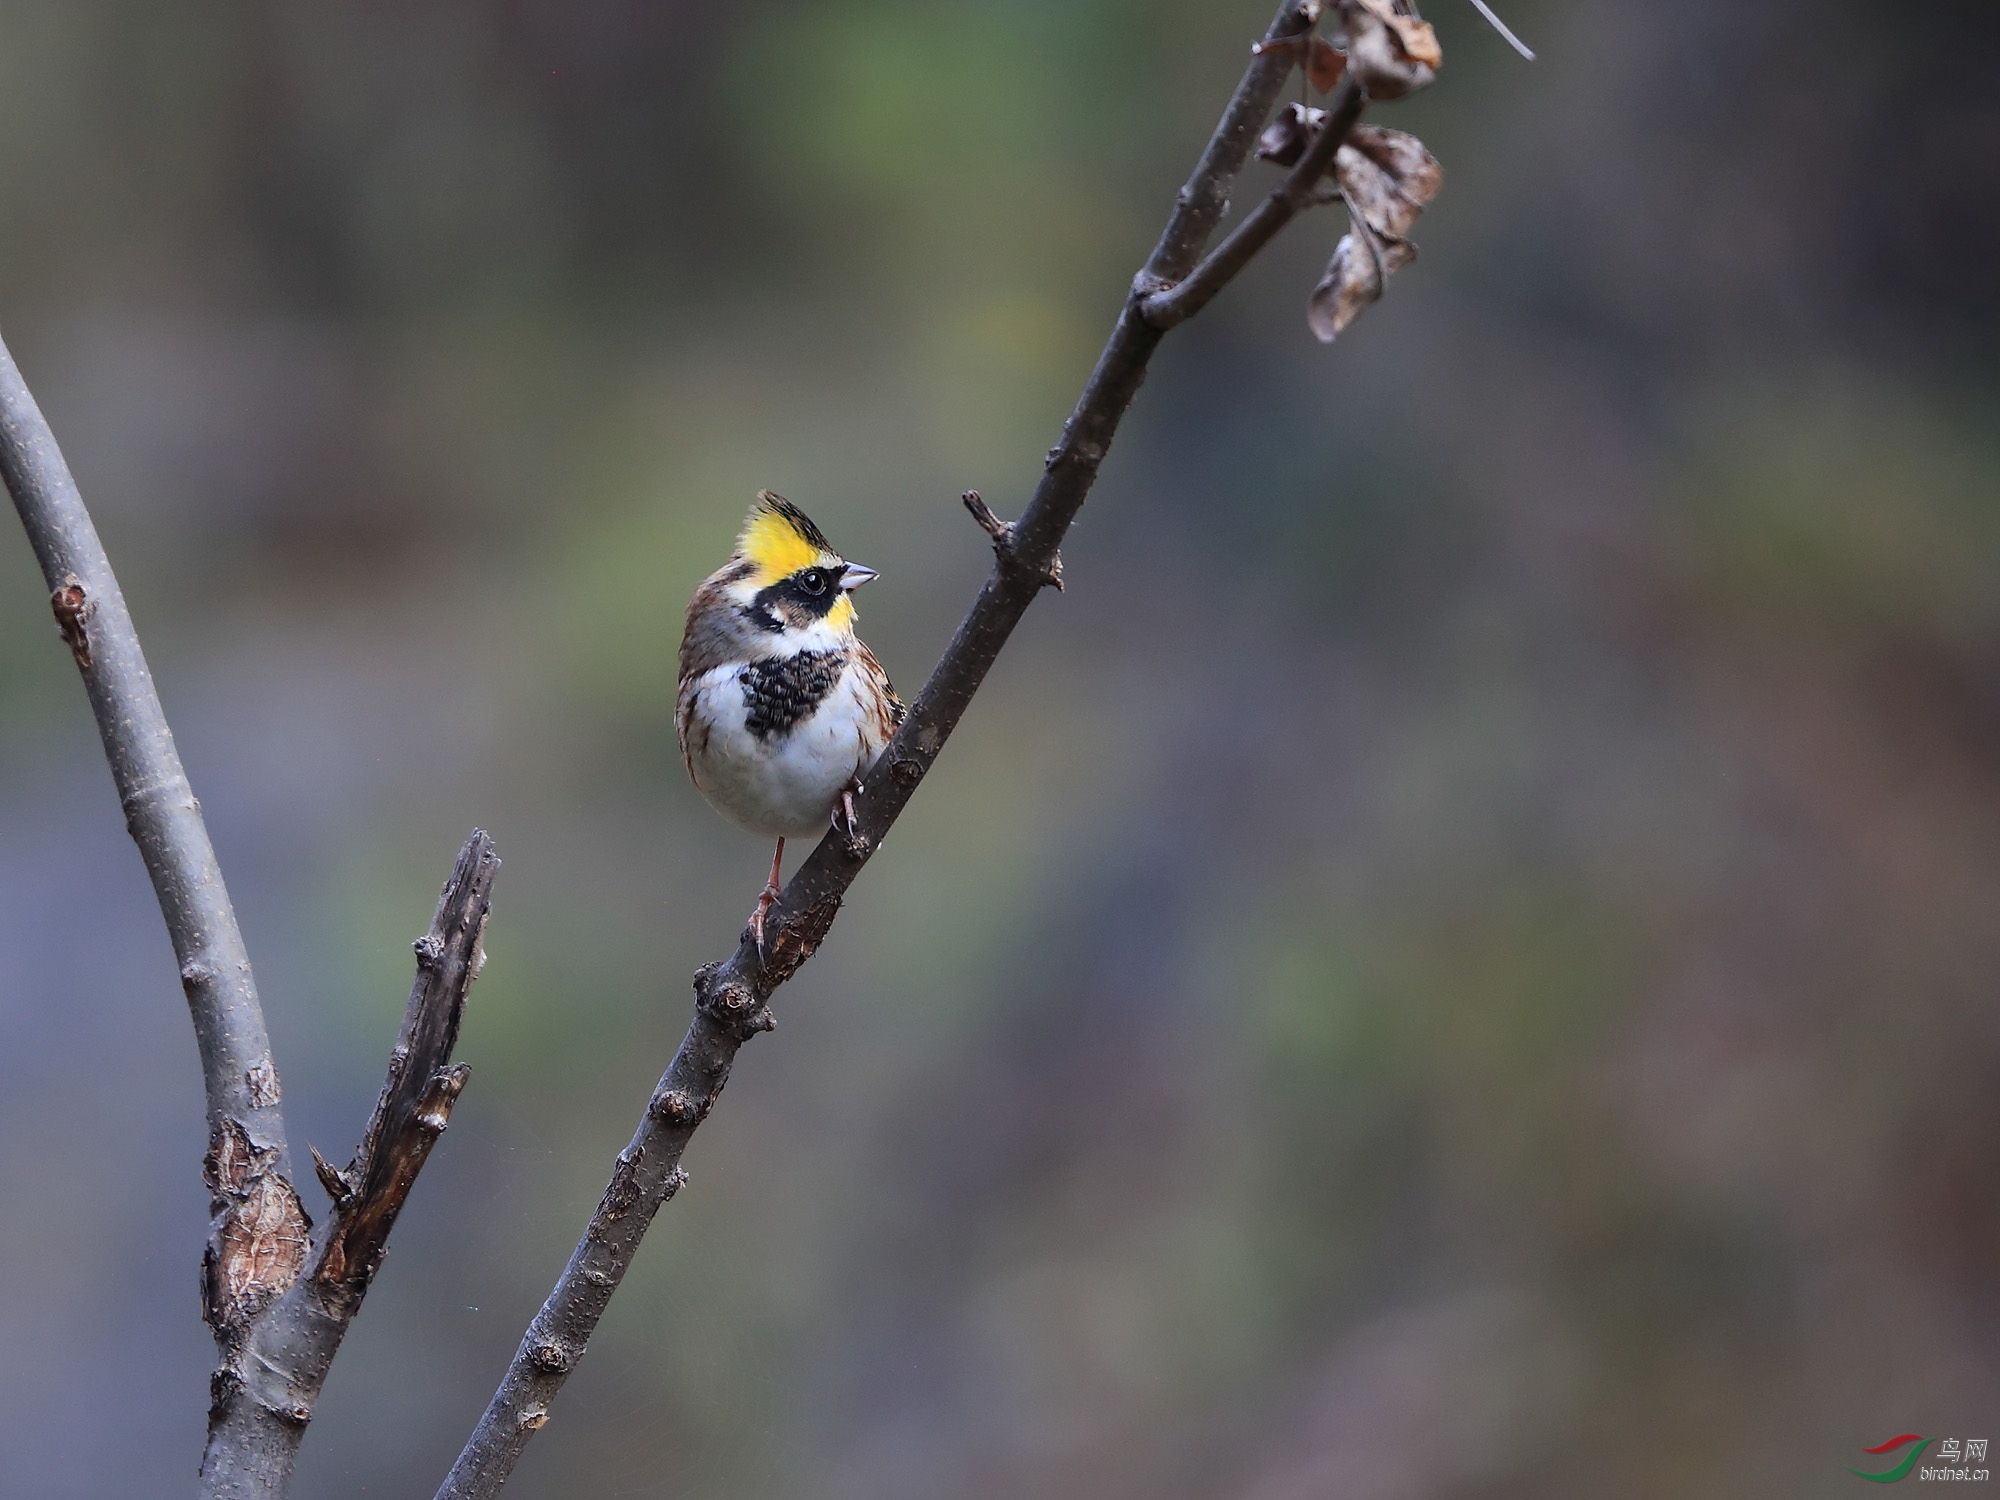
764,903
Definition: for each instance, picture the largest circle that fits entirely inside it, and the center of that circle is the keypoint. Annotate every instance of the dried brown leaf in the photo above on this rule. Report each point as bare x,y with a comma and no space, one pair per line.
1324,62
1387,176
1284,140
1419,41
1360,268
1393,54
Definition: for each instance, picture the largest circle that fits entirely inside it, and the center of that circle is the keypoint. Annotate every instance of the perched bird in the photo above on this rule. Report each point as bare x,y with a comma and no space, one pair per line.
782,709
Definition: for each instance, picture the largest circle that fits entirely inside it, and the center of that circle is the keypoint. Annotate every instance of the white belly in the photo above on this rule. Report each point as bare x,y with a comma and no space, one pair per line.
783,785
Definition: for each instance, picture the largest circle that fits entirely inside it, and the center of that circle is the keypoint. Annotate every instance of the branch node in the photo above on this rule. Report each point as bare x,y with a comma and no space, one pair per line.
908,772
676,1180
429,950
675,1108
337,1187
552,1357
261,1078
225,1383
1004,550
728,1002
434,1107
74,610
532,1418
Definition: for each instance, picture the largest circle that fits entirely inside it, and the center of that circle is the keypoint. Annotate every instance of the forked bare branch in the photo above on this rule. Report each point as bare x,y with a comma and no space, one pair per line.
271,1376
276,1329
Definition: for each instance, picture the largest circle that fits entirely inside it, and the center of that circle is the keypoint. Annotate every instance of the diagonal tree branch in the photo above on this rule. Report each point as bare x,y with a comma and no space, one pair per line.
731,996
160,807
264,1393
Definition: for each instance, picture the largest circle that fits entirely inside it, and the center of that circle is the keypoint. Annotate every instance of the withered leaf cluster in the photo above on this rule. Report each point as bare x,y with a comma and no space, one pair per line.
1391,51
1386,177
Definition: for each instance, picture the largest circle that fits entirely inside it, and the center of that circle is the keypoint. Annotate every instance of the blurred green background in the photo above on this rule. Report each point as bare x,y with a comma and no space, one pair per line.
1456,960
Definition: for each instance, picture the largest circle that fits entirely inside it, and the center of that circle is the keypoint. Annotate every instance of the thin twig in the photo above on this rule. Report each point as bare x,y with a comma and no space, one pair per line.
1176,304
1205,198
731,996
1501,26
263,1396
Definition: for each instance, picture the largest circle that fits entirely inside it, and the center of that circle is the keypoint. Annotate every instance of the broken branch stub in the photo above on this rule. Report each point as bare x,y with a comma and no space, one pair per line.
279,1323
422,1084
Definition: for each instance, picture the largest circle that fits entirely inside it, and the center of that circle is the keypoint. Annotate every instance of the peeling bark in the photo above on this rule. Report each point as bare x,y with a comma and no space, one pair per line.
260,1234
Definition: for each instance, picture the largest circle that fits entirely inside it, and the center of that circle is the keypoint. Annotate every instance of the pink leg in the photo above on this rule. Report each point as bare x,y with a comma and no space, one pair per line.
772,890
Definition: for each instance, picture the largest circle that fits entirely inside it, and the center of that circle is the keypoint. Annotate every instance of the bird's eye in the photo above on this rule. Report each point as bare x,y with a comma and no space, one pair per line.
813,581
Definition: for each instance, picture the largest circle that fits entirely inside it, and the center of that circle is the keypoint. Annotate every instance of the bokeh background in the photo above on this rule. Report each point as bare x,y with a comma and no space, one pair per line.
1458,959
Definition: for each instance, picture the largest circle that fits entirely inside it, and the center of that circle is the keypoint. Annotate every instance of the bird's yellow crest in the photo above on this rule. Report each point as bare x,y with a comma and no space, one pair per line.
780,539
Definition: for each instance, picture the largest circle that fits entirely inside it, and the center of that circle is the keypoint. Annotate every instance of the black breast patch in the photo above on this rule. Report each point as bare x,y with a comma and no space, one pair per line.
781,690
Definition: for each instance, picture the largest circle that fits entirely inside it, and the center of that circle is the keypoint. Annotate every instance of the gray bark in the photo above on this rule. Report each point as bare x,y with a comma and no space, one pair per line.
264,1392
160,807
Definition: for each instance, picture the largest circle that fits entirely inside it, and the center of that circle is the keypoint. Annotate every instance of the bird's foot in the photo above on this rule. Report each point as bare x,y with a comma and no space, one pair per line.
769,899
764,903
853,828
